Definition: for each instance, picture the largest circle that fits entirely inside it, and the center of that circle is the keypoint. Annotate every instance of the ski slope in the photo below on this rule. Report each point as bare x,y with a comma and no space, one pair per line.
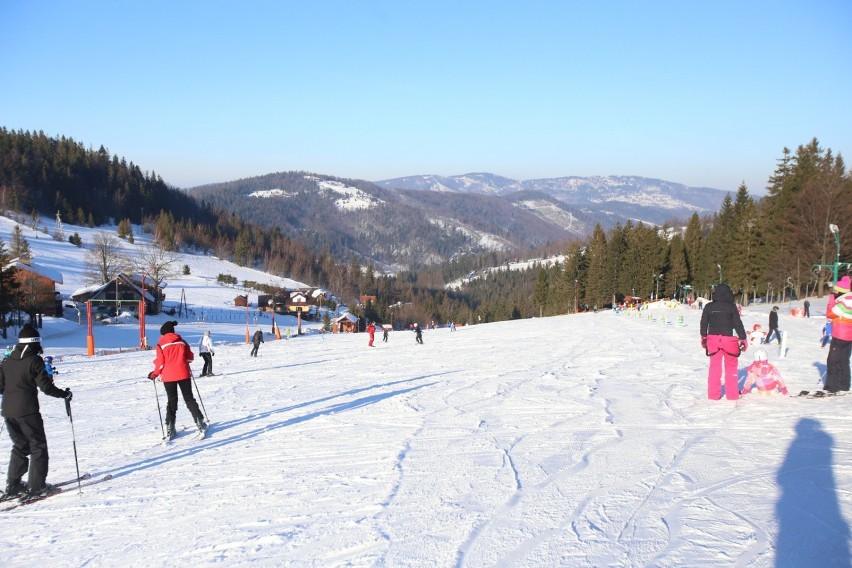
580,440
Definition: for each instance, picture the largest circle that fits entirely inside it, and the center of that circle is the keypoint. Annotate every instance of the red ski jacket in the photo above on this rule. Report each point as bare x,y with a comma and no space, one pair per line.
173,358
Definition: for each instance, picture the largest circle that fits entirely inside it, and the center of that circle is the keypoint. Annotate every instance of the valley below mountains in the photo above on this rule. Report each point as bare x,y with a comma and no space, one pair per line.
416,221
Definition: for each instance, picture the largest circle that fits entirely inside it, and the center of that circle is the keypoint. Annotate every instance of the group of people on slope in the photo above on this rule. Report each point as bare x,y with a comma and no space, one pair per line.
24,372
371,333
724,339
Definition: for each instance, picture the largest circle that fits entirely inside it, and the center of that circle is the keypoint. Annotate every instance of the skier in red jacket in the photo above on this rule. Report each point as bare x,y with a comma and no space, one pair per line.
172,366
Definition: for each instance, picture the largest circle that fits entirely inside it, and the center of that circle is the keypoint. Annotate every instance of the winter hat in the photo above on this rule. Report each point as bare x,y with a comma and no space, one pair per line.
760,355
843,285
168,327
29,334
756,327
775,308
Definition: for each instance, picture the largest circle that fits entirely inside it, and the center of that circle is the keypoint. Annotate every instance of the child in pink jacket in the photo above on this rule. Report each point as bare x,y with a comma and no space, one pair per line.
764,375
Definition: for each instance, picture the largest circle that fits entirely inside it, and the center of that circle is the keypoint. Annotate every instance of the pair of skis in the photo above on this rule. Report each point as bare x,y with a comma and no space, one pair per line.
821,394
84,480
197,437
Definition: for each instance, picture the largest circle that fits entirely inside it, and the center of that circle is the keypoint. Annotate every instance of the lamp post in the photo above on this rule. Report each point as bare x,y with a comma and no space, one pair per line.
836,232
247,318
143,339
657,278
719,266
272,305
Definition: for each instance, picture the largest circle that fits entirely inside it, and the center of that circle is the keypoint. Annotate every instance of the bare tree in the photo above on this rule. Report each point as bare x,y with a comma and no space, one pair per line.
158,264
106,259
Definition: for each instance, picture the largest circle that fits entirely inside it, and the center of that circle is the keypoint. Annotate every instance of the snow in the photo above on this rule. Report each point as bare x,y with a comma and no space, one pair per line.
578,440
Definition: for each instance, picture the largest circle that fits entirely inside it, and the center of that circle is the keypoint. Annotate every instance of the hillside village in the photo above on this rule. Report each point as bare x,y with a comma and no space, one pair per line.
56,288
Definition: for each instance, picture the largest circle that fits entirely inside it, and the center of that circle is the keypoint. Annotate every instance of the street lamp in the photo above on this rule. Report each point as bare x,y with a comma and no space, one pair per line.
836,232
719,266
657,278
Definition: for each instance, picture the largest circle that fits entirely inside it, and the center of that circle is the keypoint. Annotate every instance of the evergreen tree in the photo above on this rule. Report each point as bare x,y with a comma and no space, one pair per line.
598,289
677,271
692,245
20,247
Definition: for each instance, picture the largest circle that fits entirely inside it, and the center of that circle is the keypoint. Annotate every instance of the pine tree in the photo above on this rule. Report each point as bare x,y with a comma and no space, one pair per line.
677,271
19,247
599,284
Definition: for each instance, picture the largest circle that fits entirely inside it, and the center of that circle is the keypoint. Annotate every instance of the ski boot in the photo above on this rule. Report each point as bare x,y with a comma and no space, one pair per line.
13,490
202,426
170,431
45,491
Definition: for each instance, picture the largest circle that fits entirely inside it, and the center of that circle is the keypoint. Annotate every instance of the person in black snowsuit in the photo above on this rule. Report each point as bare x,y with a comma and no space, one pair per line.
773,326
418,334
256,340
723,338
21,374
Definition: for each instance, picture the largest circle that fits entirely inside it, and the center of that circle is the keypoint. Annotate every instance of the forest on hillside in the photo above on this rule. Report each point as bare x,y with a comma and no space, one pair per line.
766,248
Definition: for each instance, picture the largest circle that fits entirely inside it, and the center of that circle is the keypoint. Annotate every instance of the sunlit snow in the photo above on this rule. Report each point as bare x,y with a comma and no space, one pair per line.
578,440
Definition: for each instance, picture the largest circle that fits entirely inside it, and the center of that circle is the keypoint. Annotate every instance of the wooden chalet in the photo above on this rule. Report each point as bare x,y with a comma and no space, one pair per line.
122,291
241,301
36,287
298,303
346,323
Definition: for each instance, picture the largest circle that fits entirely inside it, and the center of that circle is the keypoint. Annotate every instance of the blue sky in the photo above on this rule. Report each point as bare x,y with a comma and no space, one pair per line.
701,93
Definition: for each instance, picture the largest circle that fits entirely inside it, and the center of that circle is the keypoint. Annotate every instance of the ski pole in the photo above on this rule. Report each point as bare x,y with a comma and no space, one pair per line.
192,375
160,412
74,440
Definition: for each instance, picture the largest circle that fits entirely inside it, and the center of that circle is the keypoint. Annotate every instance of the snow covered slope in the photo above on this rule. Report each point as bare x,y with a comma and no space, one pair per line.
581,440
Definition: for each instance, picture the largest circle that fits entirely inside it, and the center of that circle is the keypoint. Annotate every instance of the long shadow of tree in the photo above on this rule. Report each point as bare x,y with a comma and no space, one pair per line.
812,530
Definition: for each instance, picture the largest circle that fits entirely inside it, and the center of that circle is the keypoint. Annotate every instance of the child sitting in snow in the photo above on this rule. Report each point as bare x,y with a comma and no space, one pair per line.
756,336
764,375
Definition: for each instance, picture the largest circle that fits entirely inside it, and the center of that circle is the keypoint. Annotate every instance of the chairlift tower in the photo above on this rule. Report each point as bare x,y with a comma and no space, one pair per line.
58,232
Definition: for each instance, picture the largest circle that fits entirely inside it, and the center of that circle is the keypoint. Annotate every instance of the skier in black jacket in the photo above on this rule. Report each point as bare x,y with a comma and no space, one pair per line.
21,373
723,338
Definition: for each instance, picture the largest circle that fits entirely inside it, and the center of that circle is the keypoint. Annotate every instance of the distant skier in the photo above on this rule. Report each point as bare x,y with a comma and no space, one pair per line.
21,374
418,333
839,312
172,366
256,340
763,375
205,349
826,334
773,326
371,331
48,366
384,334
720,320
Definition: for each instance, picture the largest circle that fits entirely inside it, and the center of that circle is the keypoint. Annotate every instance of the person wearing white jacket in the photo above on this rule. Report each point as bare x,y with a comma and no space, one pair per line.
205,348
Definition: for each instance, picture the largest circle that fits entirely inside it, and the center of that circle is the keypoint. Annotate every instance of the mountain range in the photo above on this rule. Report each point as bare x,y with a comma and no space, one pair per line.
415,221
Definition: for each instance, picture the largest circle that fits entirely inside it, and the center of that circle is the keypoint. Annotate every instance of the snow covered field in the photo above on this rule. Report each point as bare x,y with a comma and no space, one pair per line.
582,440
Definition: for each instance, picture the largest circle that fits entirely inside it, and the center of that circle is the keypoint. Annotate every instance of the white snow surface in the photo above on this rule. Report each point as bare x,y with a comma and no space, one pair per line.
578,440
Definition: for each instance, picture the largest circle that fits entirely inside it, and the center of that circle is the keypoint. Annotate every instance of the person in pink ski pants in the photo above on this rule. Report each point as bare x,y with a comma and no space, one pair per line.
720,321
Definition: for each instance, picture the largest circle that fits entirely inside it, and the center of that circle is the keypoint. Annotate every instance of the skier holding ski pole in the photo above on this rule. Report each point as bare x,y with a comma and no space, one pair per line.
21,374
172,366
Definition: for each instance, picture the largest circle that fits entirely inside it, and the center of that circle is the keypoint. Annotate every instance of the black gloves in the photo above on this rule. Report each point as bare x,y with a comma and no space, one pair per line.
68,394
743,345
704,341
152,376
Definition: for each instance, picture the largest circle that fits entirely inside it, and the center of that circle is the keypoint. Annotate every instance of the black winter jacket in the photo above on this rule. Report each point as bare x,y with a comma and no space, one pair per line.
721,317
21,373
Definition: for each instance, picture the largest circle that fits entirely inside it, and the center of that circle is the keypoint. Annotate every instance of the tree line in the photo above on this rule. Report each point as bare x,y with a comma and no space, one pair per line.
763,248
